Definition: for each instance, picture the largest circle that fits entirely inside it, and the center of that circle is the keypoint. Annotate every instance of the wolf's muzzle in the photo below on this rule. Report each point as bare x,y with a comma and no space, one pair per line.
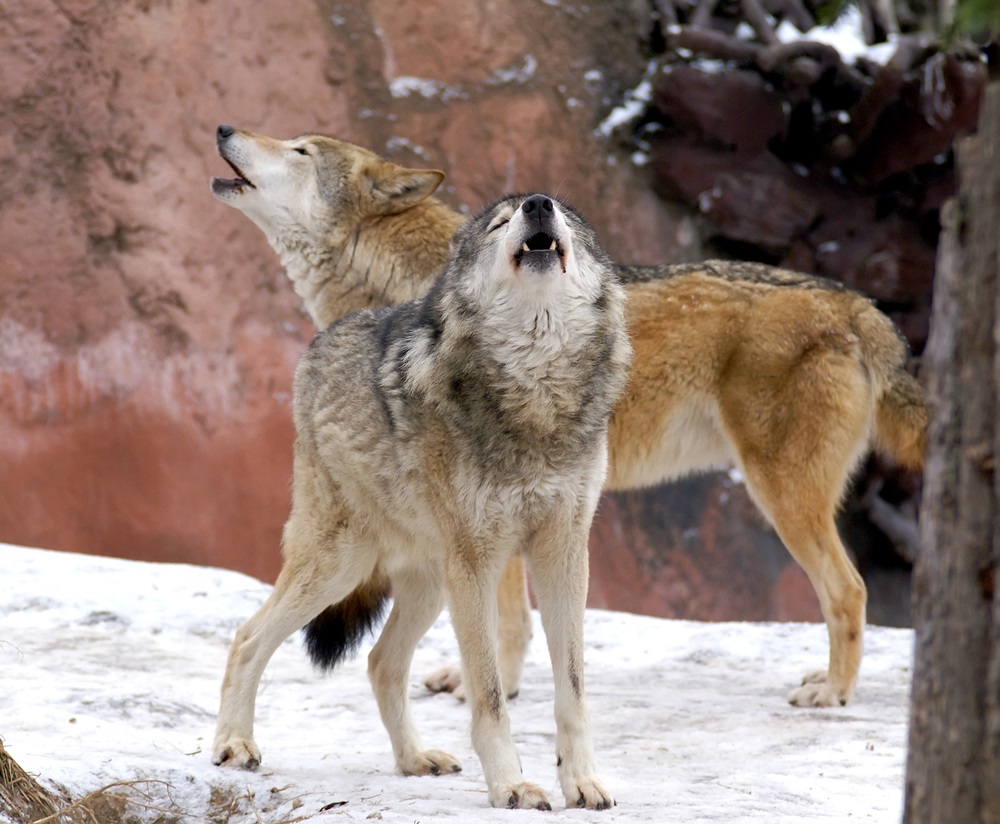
541,246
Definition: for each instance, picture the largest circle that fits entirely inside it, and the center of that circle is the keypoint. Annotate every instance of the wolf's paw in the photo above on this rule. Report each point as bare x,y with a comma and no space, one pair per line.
589,793
522,796
449,679
446,679
817,691
429,762
237,752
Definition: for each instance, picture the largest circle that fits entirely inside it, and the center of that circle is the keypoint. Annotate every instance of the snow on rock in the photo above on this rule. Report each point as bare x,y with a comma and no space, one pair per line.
110,671
845,34
633,105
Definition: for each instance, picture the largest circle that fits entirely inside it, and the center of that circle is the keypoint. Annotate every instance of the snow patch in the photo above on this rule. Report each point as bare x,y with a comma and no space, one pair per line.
515,74
845,34
111,672
396,143
709,65
407,86
430,89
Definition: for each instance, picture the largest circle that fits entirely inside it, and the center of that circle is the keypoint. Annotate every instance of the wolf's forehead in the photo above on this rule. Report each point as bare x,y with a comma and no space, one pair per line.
331,146
312,137
506,204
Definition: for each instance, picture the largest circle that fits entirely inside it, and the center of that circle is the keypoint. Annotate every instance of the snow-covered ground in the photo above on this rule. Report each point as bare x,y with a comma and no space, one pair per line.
109,671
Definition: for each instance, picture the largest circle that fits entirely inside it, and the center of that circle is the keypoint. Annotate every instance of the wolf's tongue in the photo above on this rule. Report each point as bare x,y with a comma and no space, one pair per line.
241,179
221,184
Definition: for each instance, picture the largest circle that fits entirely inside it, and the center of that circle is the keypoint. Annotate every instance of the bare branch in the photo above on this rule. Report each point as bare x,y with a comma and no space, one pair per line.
703,14
757,17
716,44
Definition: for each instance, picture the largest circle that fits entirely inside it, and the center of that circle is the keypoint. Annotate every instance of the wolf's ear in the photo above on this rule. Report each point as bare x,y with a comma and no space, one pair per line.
395,189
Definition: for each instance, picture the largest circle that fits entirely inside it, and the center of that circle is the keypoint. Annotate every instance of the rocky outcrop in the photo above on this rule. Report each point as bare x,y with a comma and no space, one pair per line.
148,336
797,155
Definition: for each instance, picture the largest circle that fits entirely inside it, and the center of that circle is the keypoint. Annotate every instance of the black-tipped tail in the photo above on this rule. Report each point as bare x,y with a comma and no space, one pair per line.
338,631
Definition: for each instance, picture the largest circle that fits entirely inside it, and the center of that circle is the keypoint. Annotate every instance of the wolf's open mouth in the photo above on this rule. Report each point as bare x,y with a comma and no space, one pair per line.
540,243
220,184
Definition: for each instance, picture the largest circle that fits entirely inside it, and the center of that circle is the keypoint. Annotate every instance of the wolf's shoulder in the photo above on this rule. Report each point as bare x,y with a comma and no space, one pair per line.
381,326
347,331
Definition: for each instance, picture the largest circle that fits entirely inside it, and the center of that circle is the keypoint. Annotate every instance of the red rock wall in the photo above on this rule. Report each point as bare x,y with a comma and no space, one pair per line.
147,334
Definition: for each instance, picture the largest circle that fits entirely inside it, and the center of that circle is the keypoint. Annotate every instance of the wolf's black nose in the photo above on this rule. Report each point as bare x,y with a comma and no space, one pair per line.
538,206
223,132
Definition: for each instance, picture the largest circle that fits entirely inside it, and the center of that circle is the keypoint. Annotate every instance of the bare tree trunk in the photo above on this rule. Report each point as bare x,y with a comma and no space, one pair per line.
953,769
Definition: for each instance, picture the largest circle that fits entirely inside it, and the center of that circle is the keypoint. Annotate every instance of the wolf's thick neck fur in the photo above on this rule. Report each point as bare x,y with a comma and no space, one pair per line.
347,271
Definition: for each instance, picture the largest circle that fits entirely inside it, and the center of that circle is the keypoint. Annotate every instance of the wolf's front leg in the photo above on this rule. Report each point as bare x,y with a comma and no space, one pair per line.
559,570
472,580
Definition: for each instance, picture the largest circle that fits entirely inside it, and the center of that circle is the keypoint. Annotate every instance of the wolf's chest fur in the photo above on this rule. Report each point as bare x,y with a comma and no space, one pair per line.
515,392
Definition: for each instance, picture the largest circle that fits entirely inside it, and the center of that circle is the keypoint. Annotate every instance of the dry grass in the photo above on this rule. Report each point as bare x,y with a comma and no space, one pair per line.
25,801
22,798
112,804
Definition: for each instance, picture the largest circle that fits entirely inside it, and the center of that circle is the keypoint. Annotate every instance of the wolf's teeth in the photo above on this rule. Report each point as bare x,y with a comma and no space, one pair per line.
552,248
524,247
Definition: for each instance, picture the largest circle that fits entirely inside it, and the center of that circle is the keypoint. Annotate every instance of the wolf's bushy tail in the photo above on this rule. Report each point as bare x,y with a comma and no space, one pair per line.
901,421
901,406
337,632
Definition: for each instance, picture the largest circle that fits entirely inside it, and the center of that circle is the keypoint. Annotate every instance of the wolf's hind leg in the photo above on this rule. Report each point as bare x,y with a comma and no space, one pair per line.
307,584
417,601
803,516
514,627
514,636
799,437
842,596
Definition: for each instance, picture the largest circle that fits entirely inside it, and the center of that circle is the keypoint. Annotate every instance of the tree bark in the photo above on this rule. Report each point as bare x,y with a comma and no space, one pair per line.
953,769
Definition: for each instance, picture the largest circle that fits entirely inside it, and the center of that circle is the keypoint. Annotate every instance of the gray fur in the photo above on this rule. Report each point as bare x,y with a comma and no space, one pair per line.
436,439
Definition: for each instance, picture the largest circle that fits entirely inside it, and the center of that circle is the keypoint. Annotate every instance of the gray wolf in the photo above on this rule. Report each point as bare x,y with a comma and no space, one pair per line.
436,440
788,377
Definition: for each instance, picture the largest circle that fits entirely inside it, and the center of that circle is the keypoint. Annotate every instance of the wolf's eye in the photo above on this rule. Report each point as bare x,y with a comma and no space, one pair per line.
301,151
497,225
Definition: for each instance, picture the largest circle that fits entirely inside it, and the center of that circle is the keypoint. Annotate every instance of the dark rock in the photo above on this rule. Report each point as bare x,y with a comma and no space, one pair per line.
751,198
937,102
733,109
696,549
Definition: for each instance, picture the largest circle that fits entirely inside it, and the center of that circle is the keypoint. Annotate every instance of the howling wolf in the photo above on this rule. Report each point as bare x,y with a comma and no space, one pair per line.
435,441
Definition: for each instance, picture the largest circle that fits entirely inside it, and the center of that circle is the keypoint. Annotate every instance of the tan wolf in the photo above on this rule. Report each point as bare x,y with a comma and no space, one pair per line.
436,440
788,377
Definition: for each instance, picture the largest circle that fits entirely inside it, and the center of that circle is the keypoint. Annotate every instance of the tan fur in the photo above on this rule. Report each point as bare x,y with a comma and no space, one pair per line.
788,377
